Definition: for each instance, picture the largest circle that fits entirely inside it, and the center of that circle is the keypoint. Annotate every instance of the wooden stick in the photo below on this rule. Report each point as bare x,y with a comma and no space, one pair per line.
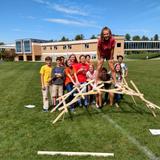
75,153
125,82
59,116
151,110
64,98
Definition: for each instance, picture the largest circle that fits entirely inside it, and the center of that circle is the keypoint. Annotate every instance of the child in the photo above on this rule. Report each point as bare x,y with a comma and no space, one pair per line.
88,59
73,59
116,96
105,50
123,66
81,70
70,80
45,72
103,76
62,61
58,78
91,74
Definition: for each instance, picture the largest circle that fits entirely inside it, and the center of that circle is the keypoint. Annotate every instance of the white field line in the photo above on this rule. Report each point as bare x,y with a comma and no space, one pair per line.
143,149
75,153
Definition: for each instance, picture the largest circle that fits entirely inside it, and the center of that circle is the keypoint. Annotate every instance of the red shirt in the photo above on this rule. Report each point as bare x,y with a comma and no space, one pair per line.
105,47
82,74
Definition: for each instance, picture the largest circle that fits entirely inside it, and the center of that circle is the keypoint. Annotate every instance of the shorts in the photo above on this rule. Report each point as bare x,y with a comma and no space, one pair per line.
57,90
106,57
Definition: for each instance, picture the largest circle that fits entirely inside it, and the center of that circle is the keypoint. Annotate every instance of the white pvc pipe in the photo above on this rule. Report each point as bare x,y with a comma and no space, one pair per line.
75,153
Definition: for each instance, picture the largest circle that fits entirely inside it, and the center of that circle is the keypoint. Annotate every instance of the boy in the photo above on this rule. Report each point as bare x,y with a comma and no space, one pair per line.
58,78
45,72
105,50
123,66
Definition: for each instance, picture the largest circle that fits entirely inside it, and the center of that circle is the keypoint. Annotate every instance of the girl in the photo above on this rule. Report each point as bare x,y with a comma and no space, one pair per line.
116,97
71,79
105,50
91,74
82,69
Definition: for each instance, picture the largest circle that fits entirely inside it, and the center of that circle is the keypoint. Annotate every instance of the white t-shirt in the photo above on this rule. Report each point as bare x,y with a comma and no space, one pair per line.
91,76
124,68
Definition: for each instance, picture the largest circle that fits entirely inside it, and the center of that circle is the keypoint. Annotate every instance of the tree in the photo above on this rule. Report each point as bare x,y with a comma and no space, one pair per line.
127,37
8,55
2,53
79,37
64,39
144,38
93,37
156,37
1,43
136,38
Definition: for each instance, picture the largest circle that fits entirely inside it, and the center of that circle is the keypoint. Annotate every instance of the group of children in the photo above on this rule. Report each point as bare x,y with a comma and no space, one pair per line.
70,73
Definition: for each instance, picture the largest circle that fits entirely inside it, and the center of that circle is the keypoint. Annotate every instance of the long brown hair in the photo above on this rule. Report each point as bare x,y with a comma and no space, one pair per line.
105,28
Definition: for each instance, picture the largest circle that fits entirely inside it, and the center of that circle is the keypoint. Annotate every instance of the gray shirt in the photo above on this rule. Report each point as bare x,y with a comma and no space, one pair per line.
55,72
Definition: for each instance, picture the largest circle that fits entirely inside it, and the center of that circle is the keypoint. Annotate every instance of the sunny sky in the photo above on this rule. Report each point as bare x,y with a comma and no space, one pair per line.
52,19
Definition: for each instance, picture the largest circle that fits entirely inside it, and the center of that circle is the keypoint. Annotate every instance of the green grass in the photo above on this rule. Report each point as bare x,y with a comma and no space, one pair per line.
25,131
143,55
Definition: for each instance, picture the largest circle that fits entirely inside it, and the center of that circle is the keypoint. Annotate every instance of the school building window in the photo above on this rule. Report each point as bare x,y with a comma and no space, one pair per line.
69,47
55,47
64,47
50,47
86,45
118,44
44,48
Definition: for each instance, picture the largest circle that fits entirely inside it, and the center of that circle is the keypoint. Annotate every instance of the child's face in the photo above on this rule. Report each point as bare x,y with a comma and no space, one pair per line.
62,59
72,58
69,63
91,69
88,59
48,62
118,68
120,59
58,62
106,34
83,60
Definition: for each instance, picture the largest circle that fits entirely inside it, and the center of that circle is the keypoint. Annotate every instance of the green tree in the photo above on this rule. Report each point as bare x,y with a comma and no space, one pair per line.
93,37
127,37
136,38
1,43
156,37
144,38
2,53
64,39
79,37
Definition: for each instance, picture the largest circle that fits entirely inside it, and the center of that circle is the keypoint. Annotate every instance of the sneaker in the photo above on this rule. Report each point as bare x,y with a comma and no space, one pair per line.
97,105
45,110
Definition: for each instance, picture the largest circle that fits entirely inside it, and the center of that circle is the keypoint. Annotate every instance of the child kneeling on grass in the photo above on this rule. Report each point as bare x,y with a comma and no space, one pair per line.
103,76
58,78
45,73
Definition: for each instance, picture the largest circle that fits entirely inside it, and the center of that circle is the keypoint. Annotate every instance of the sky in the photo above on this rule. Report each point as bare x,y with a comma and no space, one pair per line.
52,19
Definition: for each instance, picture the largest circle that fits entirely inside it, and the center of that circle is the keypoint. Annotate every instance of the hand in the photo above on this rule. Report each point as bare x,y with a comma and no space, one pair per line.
77,84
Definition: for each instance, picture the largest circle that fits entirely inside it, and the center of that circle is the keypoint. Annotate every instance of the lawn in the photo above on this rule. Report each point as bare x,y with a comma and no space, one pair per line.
124,131
143,56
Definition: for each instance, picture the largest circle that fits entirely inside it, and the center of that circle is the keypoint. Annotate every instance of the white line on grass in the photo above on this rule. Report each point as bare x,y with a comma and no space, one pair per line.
143,149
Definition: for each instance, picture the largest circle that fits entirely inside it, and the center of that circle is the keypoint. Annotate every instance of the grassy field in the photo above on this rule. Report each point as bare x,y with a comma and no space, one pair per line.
143,56
124,131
